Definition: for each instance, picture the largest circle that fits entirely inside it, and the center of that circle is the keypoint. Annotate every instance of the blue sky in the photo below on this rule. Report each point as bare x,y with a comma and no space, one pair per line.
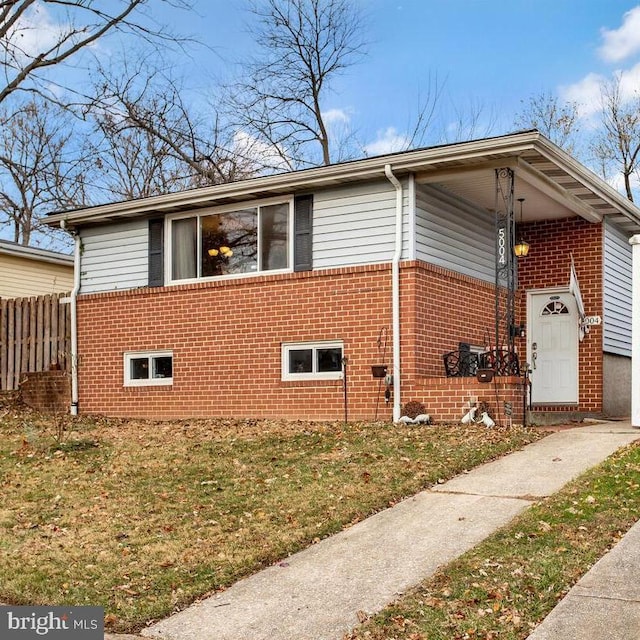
482,54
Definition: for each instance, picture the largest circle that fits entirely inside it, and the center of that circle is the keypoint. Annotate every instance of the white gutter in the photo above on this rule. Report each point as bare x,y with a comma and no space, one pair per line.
635,331
73,409
395,293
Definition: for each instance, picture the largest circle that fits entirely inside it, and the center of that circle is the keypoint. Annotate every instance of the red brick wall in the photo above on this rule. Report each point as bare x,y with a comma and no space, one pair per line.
547,265
226,336
446,308
226,339
448,399
48,391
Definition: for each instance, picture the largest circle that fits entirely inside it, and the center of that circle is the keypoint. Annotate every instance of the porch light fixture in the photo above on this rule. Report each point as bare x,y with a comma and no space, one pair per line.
521,247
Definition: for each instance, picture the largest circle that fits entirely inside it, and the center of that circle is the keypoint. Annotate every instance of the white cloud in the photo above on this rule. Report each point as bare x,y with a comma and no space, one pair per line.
257,153
36,31
388,141
621,43
336,116
629,82
585,93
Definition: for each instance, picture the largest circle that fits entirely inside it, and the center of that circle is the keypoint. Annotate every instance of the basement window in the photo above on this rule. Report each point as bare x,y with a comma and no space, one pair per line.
312,360
148,368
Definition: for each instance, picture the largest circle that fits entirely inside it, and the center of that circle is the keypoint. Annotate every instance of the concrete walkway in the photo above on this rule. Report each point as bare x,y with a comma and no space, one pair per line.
605,603
322,592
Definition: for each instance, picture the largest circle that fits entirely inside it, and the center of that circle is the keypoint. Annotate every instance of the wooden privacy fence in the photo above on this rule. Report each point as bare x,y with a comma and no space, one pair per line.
35,335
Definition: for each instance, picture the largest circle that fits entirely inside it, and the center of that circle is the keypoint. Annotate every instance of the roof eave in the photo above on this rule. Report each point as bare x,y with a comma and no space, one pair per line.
33,253
308,179
596,184
366,169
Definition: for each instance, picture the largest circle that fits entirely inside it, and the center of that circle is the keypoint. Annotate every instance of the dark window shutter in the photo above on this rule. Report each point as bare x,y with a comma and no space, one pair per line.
156,252
302,230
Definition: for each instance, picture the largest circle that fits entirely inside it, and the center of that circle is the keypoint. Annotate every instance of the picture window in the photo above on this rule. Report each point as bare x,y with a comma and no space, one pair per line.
231,242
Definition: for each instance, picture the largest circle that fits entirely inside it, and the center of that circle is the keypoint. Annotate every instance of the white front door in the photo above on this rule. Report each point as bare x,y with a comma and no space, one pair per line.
552,347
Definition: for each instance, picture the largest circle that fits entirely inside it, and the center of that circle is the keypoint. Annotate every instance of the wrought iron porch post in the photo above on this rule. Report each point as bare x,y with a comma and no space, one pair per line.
506,266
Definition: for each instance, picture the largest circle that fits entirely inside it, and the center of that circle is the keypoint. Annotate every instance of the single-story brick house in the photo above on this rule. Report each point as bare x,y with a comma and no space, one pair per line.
285,295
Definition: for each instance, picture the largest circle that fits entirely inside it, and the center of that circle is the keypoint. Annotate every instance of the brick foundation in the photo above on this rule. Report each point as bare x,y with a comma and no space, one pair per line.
48,391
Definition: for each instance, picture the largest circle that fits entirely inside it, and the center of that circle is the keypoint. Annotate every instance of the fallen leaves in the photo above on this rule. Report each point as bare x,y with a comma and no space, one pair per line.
155,514
508,583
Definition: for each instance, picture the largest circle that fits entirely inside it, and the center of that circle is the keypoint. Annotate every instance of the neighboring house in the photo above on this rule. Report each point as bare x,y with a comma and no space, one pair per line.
35,322
254,298
28,271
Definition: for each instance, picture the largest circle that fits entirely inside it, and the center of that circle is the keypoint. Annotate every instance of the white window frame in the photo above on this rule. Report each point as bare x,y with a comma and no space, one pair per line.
314,346
238,206
146,382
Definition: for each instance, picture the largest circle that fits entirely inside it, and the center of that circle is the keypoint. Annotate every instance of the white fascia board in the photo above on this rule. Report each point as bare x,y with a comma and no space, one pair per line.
306,179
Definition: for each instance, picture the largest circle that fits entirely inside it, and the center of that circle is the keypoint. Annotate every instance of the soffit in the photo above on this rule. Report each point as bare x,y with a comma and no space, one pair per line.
550,191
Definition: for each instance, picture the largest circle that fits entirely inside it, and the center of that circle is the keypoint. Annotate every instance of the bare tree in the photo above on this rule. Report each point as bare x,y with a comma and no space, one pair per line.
130,163
281,102
45,47
617,146
36,36
39,170
555,119
142,106
467,121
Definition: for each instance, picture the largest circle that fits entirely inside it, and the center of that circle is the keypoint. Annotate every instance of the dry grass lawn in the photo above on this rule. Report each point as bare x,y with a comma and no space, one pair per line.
144,517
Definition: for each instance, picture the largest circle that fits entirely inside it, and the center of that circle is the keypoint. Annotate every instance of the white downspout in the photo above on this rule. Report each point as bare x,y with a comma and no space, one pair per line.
74,321
395,293
635,331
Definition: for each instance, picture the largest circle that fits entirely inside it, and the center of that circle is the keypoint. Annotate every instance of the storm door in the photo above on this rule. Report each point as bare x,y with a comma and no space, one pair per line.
552,347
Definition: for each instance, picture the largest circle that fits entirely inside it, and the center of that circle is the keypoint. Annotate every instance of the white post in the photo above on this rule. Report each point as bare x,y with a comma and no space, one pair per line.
635,332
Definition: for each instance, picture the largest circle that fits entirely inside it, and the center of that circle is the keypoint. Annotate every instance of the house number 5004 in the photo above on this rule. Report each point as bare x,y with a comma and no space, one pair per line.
502,246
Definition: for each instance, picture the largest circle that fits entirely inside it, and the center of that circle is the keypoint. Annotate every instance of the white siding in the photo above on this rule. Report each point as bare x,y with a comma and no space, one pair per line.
352,225
114,257
617,291
454,234
356,225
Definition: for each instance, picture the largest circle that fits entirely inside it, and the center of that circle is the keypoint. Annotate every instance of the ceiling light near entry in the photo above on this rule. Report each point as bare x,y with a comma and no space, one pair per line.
521,248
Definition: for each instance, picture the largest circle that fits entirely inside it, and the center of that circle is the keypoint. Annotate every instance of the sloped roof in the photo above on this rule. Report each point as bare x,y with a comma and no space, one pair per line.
35,253
552,182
